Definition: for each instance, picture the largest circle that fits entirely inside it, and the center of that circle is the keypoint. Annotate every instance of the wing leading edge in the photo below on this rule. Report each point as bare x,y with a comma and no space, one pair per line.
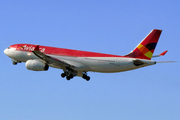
58,63
50,60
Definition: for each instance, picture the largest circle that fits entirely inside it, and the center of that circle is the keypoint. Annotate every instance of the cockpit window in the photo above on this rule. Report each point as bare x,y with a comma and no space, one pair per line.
8,47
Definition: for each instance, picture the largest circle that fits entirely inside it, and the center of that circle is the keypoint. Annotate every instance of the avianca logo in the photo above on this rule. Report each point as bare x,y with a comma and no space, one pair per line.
148,49
31,48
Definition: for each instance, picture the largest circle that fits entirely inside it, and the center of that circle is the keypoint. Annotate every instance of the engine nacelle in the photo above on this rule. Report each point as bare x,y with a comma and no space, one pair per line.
36,65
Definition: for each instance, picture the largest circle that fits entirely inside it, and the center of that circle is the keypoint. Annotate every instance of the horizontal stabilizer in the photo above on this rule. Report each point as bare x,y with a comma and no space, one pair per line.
162,54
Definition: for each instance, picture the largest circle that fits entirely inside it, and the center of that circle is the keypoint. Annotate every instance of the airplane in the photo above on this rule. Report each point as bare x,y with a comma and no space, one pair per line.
78,63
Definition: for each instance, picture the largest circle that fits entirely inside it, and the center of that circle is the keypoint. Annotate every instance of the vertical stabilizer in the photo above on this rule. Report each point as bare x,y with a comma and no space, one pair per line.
146,48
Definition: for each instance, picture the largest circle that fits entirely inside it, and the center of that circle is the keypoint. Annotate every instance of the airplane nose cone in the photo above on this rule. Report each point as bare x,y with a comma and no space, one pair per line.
5,51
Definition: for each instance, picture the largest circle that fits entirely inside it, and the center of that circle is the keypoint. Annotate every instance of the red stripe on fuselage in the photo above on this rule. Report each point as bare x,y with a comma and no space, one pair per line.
60,51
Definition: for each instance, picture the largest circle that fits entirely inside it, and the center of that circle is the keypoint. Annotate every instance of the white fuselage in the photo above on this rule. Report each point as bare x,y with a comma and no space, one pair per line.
95,64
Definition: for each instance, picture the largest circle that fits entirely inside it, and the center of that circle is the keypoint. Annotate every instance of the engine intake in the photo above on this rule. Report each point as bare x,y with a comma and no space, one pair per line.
36,65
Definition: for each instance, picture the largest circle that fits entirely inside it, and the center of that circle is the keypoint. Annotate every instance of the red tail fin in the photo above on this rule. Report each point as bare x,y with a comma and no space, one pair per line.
146,48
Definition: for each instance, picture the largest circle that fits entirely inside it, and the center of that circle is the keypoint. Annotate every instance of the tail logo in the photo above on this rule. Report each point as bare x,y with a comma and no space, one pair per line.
148,49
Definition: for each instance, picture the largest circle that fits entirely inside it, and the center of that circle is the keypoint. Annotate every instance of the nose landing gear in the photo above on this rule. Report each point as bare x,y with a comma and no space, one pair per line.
15,62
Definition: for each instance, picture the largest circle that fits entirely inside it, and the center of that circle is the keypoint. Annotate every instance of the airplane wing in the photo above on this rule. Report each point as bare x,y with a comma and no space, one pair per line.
51,60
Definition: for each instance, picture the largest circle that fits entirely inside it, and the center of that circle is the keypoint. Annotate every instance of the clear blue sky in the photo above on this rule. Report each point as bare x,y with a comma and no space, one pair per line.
114,27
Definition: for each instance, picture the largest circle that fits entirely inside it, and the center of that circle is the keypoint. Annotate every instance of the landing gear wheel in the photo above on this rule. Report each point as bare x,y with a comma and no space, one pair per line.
68,77
63,75
14,63
84,76
87,78
71,76
69,73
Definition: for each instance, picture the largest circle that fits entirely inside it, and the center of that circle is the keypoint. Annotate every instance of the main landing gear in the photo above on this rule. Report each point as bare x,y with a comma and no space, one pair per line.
69,74
86,77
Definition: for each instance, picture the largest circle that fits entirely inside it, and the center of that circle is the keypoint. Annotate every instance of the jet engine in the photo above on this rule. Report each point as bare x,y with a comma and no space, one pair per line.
36,65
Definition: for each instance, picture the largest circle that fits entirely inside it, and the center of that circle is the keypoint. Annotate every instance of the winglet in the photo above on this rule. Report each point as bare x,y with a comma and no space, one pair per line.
36,48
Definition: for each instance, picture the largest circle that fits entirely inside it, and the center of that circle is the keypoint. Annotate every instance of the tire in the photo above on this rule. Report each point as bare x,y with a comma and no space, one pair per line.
87,78
84,76
68,77
71,76
63,75
14,63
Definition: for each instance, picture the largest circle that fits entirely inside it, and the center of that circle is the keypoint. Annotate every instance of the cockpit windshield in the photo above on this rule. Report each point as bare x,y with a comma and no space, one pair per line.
8,48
